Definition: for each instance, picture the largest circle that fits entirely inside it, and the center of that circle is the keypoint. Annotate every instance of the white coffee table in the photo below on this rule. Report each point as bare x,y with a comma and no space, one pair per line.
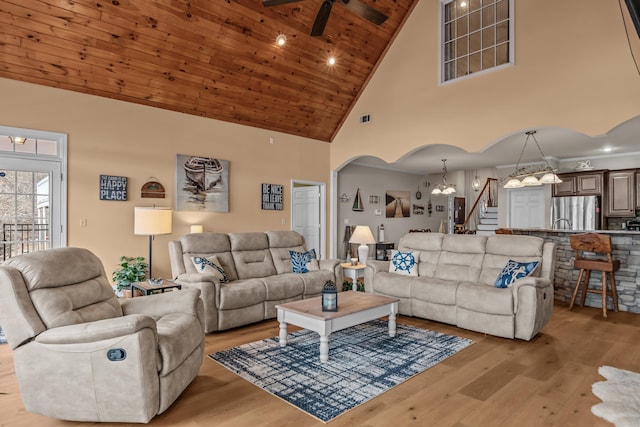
354,308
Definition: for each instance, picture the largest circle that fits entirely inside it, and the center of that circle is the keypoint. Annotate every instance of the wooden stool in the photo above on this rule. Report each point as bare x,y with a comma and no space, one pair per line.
600,244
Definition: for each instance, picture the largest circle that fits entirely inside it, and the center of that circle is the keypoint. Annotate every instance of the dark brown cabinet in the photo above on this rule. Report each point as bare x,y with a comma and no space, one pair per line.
621,200
579,184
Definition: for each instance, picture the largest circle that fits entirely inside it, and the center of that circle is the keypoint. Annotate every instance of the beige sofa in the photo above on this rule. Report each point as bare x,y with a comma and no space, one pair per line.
258,266
456,277
82,354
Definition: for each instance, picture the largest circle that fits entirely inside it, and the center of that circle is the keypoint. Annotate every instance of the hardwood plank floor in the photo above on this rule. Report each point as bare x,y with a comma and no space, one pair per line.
494,382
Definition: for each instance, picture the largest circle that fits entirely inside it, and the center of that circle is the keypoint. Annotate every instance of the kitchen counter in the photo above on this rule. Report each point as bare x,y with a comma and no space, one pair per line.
626,248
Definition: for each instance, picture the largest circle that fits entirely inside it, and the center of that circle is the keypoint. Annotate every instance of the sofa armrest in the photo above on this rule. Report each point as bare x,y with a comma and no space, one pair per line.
196,278
377,266
329,264
538,282
97,331
179,301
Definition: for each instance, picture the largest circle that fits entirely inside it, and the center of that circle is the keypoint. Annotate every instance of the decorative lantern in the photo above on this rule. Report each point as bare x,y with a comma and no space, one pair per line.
329,297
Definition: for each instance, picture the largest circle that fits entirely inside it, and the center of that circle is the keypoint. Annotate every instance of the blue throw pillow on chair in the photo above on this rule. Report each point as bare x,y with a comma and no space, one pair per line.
513,271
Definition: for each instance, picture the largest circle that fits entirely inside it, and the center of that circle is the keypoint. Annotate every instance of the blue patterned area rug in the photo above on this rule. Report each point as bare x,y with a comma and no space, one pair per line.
364,362
3,339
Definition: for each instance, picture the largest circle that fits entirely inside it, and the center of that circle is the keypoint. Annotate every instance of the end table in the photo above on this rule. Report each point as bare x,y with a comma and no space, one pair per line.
148,289
354,272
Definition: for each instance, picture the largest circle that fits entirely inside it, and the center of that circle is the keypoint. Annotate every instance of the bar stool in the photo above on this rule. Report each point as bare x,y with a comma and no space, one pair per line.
600,244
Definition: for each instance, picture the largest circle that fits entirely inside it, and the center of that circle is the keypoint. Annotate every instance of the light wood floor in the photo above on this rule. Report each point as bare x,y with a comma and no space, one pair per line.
494,382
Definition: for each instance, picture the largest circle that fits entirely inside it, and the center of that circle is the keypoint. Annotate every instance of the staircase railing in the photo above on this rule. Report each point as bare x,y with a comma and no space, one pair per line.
488,197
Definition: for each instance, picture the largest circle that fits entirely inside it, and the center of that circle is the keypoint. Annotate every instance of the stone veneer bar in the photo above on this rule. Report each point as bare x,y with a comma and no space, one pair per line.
626,248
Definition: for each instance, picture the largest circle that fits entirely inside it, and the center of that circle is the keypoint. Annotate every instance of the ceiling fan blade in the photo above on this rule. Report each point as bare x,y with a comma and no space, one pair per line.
268,3
321,18
365,11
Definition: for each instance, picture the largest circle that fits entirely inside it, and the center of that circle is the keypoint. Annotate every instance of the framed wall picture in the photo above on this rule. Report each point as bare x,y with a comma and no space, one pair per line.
272,197
113,187
202,184
398,204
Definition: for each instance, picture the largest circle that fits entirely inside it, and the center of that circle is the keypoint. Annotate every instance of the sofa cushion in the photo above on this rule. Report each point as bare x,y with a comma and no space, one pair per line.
205,245
241,293
429,245
502,248
251,255
283,286
210,266
461,257
485,299
304,262
434,290
513,271
392,284
404,262
314,281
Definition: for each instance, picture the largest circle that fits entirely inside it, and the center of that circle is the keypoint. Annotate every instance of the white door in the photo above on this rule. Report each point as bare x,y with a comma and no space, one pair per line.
306,215
30,211
526,208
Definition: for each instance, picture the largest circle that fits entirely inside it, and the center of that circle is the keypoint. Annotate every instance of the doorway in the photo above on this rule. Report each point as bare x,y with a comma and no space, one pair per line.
32,191
308,214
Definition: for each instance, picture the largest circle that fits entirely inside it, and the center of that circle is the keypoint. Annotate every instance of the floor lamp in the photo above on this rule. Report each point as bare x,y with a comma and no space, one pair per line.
151,222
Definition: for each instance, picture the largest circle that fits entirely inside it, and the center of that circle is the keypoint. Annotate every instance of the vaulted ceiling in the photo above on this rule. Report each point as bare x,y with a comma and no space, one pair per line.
211,58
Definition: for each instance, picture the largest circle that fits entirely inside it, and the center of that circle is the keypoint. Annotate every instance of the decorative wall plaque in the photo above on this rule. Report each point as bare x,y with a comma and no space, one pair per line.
113,187
153,189
272,197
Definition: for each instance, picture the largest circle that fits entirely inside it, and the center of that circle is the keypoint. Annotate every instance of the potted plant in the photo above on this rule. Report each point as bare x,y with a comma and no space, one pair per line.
132,269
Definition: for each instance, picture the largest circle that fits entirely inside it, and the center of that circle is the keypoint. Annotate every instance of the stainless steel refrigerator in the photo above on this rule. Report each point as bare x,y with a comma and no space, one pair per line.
575,213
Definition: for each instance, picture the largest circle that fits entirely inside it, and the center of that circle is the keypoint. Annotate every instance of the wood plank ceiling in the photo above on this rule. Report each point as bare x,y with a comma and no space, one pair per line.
211,58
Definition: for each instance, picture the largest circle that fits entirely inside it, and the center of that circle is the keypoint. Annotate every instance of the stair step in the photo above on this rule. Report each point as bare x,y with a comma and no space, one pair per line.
485,232
491,209
490,215
491,221
487,227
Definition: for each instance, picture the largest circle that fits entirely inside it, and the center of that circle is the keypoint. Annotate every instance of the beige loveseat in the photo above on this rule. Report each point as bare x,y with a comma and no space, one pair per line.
456,277
258,266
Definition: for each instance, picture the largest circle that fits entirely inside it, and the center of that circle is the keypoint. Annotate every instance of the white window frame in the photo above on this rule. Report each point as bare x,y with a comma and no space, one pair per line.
48,162
441,64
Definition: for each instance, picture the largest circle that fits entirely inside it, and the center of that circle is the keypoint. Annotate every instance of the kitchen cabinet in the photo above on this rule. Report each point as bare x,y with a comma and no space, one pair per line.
579,184
621,198
637,189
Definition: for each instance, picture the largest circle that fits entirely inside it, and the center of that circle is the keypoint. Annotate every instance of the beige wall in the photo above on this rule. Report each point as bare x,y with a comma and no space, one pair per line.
118,138
573,69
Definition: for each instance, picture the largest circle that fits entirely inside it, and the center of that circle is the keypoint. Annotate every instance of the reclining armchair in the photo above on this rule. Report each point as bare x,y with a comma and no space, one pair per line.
82,354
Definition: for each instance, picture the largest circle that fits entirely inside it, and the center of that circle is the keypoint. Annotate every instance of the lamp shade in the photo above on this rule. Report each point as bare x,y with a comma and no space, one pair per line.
362,235
550,178
514,183
530,181
152,221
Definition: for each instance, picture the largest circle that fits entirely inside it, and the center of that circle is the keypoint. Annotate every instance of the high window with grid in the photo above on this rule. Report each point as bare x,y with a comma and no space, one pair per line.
477,35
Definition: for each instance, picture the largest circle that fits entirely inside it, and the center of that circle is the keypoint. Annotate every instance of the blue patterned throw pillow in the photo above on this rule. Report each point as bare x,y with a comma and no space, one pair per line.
303,262
513,271
405,263
211,266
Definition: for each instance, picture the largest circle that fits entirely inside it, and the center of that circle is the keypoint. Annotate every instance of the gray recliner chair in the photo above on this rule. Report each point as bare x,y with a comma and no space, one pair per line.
82,354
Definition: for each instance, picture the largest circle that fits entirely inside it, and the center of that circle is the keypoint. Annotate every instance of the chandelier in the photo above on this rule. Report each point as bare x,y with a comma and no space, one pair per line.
528,176
444,188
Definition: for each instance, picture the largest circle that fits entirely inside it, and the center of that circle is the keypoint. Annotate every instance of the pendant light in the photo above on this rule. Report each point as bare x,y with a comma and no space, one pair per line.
528,174
444,188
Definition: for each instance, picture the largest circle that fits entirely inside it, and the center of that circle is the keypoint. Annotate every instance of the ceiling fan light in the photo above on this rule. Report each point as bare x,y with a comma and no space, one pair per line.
281,39
514,183
530,181
550,178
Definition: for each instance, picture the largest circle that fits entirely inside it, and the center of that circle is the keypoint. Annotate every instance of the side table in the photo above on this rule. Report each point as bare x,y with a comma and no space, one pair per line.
148,289
354,272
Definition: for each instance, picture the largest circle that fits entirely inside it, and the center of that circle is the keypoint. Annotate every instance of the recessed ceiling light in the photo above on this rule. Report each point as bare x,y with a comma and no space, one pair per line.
607,149
331,60
281,40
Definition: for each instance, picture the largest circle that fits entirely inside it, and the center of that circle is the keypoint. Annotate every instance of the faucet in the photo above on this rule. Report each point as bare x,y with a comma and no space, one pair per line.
559,220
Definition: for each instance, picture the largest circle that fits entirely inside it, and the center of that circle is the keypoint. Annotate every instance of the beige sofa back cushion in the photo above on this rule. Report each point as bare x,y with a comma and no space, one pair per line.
67,286
207,244
251,255
461,257
429,245
280,243
501,248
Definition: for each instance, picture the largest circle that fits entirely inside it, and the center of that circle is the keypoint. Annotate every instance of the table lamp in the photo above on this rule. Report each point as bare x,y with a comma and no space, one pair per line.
362,235
151,222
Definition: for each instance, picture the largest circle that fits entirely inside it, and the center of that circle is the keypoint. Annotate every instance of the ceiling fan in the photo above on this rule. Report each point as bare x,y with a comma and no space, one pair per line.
355,6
